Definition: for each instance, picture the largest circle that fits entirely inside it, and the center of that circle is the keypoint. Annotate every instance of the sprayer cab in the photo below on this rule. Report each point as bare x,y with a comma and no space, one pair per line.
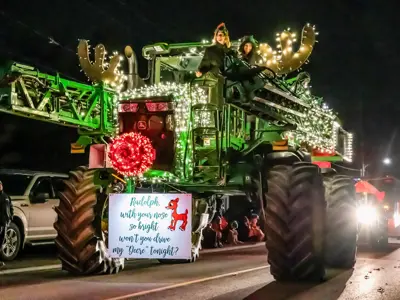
265,91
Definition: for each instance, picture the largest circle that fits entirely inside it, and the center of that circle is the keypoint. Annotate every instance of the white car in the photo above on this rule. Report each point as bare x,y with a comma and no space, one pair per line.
34,196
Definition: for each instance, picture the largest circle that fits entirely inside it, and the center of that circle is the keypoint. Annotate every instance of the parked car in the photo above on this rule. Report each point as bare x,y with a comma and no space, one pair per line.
34,195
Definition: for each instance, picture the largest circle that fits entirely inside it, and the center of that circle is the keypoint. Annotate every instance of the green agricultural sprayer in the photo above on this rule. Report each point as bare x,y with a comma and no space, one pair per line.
255,133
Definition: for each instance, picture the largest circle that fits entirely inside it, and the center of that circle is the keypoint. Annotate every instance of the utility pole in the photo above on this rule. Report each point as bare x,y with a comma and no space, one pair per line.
364,166
363,169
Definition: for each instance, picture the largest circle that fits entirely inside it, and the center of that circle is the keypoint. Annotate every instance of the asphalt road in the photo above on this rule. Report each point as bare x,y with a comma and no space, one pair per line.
234,274
34,256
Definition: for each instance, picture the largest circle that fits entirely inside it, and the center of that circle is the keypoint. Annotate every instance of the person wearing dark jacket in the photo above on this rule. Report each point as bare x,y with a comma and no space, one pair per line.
6,214
214,56
248,50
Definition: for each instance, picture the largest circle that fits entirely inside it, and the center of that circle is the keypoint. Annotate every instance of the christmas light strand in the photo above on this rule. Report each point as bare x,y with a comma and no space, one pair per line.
318,128
284,59
184,97
101,70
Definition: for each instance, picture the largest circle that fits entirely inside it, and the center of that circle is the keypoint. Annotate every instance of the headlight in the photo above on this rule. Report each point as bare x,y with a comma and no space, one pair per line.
366,214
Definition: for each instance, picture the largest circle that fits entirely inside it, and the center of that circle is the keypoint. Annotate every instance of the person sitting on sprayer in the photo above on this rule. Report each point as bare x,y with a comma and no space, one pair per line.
248,50
214,56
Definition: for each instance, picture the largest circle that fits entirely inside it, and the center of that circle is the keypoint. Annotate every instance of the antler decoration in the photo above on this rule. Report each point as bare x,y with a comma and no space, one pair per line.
285,60
99,70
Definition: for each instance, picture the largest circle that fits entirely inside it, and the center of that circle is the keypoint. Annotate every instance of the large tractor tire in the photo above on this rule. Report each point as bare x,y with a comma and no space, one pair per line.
342,228
295,222
80,241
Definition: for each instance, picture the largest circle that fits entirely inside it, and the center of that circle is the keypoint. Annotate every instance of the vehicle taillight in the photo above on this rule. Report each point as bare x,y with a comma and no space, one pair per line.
157,106
128,107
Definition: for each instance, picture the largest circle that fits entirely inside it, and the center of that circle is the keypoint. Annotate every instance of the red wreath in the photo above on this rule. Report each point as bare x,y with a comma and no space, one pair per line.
131,154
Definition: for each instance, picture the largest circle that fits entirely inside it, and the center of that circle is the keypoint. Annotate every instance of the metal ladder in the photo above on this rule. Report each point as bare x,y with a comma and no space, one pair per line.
205,153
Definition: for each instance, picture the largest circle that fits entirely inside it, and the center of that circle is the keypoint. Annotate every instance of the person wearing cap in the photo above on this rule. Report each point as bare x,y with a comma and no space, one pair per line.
214,56
248,50
6,214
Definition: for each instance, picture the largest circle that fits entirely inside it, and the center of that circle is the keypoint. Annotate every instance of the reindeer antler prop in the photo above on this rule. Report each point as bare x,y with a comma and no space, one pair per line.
285,60
99,70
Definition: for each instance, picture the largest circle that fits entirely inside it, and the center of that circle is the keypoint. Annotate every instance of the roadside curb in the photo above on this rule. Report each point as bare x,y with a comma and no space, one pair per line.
30,269
58,266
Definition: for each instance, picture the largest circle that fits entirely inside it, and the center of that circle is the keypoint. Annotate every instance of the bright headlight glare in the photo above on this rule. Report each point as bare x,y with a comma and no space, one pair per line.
366,214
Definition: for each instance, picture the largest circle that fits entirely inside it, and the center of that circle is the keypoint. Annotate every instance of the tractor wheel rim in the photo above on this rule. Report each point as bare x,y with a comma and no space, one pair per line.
10,242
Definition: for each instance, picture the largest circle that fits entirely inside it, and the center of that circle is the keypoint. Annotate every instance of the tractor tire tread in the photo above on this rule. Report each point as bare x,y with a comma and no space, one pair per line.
81,250
295,204
342,228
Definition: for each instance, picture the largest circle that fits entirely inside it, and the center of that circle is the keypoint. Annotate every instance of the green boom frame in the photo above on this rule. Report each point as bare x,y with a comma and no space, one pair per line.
26,92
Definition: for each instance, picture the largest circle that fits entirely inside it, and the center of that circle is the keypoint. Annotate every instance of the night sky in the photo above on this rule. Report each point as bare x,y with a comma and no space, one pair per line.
354,66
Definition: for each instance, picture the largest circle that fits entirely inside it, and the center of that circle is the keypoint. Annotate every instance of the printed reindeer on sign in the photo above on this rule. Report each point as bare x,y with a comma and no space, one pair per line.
173,205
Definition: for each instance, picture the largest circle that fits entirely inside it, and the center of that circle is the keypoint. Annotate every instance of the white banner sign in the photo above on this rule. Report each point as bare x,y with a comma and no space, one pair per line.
150,226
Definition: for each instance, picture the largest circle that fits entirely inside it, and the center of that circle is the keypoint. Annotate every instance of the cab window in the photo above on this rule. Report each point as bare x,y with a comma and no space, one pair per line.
42,188
58,185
